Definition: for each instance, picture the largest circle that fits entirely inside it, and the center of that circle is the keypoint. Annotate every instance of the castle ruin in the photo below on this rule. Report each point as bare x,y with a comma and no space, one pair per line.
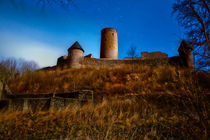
109,55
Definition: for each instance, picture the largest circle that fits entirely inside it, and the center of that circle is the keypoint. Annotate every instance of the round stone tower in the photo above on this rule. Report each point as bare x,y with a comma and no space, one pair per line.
75,55
109,44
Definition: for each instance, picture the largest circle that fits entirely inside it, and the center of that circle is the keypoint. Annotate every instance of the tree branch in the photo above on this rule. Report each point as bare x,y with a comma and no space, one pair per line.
206,5
202,24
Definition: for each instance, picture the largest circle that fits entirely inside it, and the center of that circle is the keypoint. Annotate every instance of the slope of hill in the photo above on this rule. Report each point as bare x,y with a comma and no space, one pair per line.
107,81
139,102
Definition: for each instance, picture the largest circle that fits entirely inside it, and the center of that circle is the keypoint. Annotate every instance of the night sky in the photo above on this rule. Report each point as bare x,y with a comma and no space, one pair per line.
27,31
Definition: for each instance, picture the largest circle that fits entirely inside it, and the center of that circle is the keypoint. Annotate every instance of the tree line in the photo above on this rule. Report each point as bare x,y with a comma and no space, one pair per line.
11,67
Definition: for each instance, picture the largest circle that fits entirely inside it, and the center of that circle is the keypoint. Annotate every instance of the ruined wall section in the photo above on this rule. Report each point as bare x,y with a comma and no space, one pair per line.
45,102
62,62
153,55
98,63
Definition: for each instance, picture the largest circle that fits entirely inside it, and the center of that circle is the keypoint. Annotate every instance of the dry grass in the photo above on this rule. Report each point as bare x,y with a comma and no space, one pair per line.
139,117
106,81
168,104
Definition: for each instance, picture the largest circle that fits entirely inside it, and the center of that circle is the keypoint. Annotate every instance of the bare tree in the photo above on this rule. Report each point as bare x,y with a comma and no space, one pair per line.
132,52
11,67
194,16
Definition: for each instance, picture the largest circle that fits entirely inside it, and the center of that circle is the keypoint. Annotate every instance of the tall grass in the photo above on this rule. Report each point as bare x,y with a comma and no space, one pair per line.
141,103
106,81
139,117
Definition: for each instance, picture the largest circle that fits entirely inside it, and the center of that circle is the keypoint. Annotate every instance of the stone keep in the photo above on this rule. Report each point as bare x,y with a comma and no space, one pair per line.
75,55
185,52
109,44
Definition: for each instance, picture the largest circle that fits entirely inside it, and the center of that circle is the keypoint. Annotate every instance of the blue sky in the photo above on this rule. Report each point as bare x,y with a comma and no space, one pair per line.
28,32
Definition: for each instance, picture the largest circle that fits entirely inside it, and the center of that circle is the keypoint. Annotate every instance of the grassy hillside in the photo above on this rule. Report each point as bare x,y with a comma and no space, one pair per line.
107,81
141,103
143,117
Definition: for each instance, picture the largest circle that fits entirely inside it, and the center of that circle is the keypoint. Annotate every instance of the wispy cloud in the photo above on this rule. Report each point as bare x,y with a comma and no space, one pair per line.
22,47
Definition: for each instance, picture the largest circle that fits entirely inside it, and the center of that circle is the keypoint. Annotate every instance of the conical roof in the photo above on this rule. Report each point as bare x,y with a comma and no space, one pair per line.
76,45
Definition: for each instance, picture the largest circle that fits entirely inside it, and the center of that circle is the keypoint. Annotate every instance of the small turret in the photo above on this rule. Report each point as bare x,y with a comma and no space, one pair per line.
75,55
185,53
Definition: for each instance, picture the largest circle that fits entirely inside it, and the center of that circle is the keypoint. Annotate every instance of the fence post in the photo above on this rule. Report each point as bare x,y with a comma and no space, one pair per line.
52,103
25,105
10,108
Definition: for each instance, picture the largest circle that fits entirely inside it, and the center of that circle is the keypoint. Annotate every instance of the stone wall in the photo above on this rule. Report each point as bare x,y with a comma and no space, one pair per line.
44,102
62,60
91,62
100,63
177,61
153,55
109,52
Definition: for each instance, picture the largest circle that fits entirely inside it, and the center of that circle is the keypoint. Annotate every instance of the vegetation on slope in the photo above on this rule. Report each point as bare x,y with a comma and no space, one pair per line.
141,117
141,103
107,81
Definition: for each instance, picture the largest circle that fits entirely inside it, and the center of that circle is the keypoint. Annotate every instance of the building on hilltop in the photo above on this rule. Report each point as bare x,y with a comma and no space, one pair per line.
185,52
74,58
109,55
75,55
109,44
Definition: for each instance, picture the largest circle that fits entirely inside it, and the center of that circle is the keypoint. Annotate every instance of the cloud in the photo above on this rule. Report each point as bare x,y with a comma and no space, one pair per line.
22,47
